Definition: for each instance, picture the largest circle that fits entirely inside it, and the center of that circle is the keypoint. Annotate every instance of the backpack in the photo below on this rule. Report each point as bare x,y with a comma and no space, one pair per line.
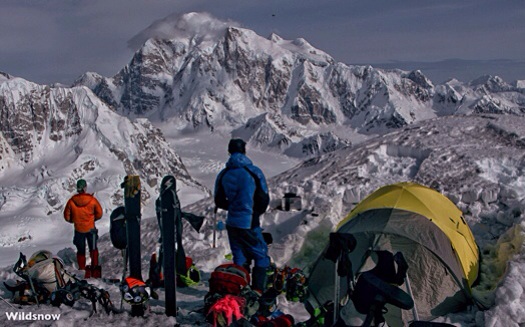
117,228
229,278
261,199
43,272
48,270
230,296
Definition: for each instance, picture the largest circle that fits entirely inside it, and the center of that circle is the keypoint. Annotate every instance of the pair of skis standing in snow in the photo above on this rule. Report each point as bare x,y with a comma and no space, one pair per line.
125,235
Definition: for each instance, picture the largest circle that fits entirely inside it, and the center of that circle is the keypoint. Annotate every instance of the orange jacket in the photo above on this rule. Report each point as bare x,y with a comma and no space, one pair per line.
83,209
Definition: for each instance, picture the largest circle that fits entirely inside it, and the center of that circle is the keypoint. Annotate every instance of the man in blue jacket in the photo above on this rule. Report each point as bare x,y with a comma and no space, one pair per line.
241,189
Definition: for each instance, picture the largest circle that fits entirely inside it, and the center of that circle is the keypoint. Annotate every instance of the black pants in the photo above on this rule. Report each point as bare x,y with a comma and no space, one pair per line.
80,241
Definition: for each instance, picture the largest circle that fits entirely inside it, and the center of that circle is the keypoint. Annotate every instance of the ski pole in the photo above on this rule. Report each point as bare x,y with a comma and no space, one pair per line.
215,226
9,304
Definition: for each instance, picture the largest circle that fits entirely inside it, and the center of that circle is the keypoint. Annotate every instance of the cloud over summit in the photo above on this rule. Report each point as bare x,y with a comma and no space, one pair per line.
199,26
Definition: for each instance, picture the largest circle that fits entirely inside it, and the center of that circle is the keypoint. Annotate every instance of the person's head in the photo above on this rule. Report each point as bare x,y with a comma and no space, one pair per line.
237,146
81,186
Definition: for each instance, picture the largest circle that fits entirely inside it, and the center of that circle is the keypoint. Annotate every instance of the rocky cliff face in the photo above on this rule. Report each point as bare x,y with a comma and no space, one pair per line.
52,136
222,82
31,115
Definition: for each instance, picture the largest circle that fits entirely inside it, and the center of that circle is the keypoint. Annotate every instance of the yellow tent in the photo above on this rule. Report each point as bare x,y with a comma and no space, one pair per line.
434,206
431,233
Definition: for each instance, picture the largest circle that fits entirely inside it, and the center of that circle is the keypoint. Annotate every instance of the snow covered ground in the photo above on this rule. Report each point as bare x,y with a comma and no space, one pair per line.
477,161
205,153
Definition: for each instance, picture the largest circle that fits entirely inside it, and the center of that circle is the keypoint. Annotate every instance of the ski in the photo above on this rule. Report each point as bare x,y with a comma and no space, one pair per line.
132,194
170,217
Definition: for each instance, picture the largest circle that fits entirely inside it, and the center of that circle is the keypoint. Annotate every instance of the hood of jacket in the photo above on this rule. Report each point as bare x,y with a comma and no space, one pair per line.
238,160
82,199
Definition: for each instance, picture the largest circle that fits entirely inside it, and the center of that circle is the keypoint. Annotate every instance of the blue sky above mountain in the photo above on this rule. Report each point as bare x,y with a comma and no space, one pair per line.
57,41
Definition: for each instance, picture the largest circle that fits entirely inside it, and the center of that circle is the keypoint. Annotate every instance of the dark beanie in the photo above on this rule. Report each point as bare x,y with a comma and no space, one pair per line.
237,145
81,184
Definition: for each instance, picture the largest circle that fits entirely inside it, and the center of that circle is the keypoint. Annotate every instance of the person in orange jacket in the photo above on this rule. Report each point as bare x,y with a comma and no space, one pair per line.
82,210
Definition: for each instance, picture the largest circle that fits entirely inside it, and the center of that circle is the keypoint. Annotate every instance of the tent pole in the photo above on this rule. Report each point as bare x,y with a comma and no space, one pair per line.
409,291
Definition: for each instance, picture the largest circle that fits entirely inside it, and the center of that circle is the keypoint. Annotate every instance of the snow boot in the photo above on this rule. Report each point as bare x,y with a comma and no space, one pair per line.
94,268
94,257
259,279
81,259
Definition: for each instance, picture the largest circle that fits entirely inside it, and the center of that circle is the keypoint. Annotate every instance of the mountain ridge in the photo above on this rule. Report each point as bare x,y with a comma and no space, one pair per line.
223,82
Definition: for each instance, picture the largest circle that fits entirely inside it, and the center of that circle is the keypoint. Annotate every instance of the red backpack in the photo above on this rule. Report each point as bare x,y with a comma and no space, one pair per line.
229,278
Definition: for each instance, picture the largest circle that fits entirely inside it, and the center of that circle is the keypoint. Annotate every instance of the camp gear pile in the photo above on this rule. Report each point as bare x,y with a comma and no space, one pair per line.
44,280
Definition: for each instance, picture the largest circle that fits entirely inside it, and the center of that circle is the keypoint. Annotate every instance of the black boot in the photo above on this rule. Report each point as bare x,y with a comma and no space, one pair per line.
259,279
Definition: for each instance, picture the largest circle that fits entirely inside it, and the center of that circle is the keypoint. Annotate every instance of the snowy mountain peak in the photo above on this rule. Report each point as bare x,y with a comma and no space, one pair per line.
491,83
4,77
275,38
417,77
89,79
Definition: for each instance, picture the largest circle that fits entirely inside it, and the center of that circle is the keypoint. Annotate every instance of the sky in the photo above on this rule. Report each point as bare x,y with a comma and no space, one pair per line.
57,41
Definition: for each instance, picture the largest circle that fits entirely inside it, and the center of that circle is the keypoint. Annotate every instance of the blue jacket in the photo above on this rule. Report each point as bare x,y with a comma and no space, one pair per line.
239,188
